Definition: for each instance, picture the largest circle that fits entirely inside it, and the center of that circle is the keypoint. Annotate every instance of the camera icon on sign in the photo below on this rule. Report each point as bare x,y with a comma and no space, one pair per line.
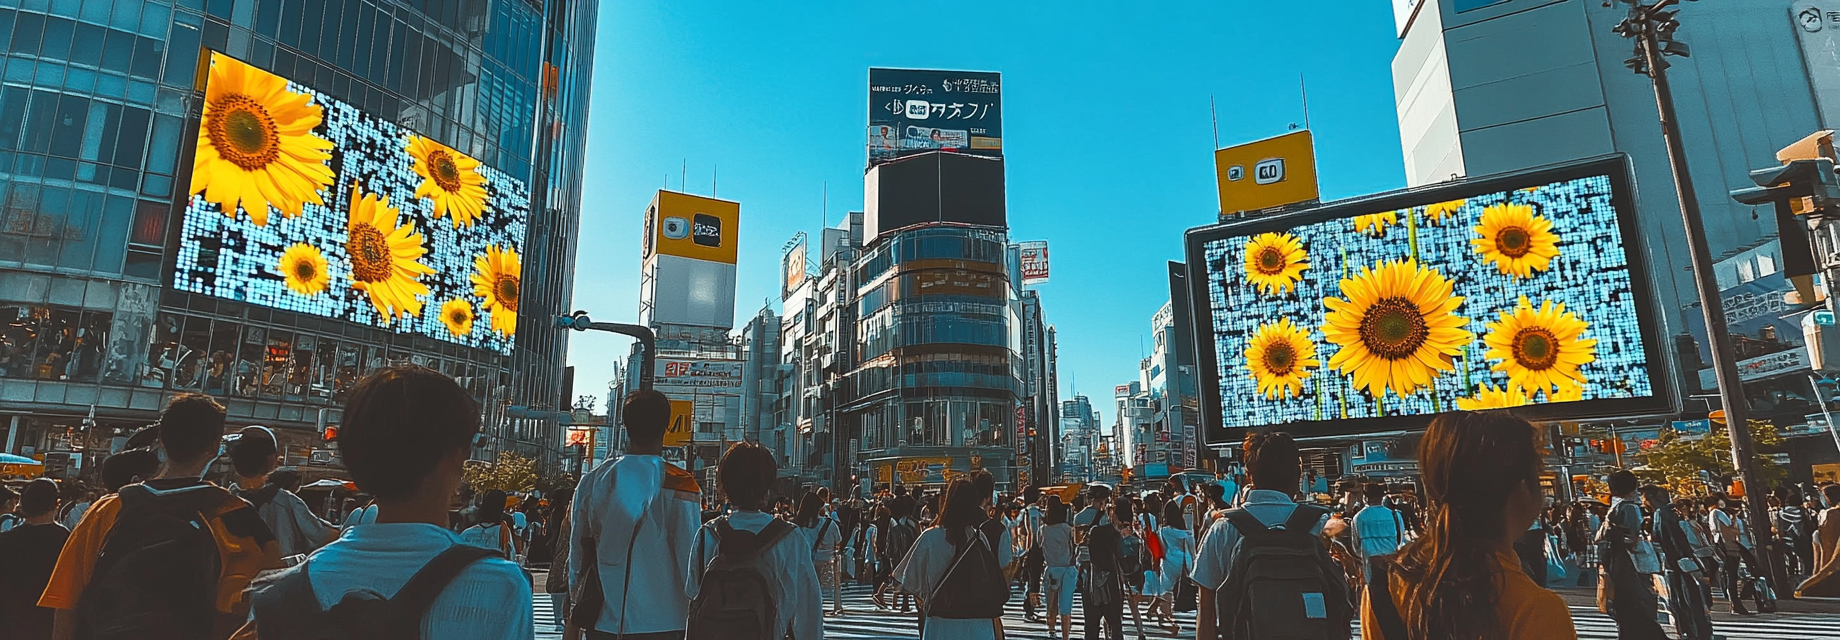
1236,173
676,228
1268,171
918,109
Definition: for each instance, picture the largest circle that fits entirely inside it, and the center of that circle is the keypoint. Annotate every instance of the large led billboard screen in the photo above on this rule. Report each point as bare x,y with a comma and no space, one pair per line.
917,110
1523,292
305,203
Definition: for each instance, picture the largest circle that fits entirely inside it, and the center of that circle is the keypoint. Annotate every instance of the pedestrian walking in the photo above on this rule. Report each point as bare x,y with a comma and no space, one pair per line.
903,531
407,434
1461,578
1628,563
1825,581
822,533
738,554
1281,538
1059,574
1731,537
1686,600
634,520
1103,596
129,467
1029,522
494,528
1178,560
28,553
956,569
1378,531
169,557
556,582
297,531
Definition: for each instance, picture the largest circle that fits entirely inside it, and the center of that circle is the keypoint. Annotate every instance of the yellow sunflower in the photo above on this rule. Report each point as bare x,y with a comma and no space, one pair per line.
495,279
1277,356
1539,349
1489,397
304,269
1572,391
1275,261
1515,239
1375,224
450,179
1436,213
457,314
256,146
385,258
1397,327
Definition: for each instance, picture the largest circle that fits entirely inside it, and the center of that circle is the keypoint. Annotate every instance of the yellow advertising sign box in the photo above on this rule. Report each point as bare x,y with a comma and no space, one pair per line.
687,226
683,423
1267,173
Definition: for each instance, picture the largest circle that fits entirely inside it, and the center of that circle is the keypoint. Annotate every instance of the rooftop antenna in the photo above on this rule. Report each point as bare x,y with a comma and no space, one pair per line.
1215,117
683,176
1305,90
824,205
712,181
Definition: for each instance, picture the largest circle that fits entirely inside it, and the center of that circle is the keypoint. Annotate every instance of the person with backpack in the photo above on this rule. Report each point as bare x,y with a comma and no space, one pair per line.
1731,537
1248,565
494,529
634,520
28,552
1178,559
1028,538
902,533
1686,601
750,576
166,558
1378,530
1624,551
822,533
254,456
407,434
1461,578
1060,576
955,569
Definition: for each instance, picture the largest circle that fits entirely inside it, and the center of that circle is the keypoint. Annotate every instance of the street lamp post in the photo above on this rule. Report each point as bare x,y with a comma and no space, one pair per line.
1652,26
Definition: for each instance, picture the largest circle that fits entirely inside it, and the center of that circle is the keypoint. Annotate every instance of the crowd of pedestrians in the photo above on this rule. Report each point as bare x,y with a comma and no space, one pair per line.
638,549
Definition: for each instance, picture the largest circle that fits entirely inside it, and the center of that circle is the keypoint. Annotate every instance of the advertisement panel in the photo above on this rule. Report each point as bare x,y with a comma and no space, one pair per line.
1267,173
697,376
1766,331
1034,262
1523,291
683,423
916,110
792,267
691,226
305,203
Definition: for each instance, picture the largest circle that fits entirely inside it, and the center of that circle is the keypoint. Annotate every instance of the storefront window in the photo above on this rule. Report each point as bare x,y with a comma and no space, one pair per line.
250,354
18,336
220,368
276,360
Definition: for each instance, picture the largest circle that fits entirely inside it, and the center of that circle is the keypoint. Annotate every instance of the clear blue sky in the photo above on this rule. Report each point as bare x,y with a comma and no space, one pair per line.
1106,134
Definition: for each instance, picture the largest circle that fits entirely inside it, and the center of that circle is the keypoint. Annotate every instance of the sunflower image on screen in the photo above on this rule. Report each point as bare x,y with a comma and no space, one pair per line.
1375,224
450,179
457,315
1539,349
1488,397
1515,240
495,279
1397,327
304,268
385,256
1274,262
1437,213
256,145
1278,356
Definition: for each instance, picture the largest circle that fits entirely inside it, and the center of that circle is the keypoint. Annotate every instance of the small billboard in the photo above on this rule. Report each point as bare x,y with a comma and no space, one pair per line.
1267,173
1034,262
917,110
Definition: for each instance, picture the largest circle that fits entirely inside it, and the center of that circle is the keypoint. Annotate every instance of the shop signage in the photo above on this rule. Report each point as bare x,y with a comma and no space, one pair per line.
1764,366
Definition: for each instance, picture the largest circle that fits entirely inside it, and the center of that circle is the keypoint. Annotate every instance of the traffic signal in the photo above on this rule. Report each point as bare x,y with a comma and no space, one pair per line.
331,434
1802,189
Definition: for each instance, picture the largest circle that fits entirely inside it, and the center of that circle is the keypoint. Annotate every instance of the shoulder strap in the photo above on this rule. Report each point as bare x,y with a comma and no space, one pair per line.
1380,599
824,525
1247,525
1304,518
412,601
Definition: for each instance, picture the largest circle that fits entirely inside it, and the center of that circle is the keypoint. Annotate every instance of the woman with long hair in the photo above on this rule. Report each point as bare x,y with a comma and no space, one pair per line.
822,534
961,521
1461,579
1060,575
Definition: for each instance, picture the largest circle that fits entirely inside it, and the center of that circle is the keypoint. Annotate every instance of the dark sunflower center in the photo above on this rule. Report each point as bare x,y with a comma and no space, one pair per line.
1513,242
459,316
506,291
445,173
242,132
1393,329
370,254
1270,261
1536,348
305,270
1280,358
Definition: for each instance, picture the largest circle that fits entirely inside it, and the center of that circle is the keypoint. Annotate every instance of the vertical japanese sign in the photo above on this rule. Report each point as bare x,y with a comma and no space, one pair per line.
1034,262
792,266
915,110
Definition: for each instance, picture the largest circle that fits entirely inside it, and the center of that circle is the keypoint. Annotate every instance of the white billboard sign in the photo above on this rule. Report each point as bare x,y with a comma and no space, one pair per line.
685,376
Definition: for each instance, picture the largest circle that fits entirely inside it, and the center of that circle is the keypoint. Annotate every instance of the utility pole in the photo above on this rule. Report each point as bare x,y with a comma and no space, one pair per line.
1652,26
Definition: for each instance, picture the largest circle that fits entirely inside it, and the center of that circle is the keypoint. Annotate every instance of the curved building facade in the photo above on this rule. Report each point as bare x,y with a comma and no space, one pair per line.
100,121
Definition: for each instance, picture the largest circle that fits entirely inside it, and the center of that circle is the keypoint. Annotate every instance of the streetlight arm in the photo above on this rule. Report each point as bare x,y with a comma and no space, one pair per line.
579,321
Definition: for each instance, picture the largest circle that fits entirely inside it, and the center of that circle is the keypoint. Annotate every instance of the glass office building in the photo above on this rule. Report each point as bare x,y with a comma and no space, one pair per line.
100,110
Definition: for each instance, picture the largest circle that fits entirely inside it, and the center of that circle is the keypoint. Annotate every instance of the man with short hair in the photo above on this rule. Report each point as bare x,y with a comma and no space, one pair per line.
255,455
100,578
28,552
1274,470
1377,530
634,520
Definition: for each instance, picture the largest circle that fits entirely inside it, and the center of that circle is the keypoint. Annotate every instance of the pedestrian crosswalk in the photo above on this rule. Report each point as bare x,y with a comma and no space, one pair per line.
863,620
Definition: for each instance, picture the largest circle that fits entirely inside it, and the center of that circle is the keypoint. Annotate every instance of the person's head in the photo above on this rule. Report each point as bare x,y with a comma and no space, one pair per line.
1098,494
129,467
1031,494
38,498
646,414
1374,492
1123,511
746,475
961,509
1216,493
255,452
1172,516
1653,496
811,508
1057,510
1482,479
1079,502
407,433
1832,494
903,506
1273,462
985,484
491,506
883,514
190,428
1622,483
824,495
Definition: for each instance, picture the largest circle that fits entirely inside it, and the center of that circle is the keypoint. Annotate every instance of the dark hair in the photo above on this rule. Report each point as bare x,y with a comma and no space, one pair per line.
1375,492
745,474
38,497
903,506
1079,501
1655,493
254,452
1099,491
961,509
1832,493
985,483
1172,516
1621,482
811,508
1057,510
1123,511
400,422
191,426
491,507
1216,493
1031,494
129,467
1272,461
1471,463
646,414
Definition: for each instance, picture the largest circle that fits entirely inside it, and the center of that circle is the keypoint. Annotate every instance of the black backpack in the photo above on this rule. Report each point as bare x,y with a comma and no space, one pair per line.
156,577
901,536
736,600
974,587
1131,555
1282,585
286,608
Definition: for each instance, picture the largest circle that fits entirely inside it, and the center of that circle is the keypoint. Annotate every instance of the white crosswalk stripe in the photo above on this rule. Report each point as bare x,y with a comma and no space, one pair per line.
863,620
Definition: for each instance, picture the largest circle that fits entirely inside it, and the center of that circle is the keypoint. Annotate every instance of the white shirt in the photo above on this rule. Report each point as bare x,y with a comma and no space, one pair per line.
608,502
1213,561
1727,530
365,515
923,571
787,566
488,600
1377,530
821,549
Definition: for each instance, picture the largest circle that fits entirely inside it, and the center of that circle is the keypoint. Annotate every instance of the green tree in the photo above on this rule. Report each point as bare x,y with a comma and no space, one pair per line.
510,472
1676,461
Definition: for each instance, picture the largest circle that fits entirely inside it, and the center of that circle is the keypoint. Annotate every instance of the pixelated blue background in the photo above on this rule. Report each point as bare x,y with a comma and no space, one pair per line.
1590,277
234,259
